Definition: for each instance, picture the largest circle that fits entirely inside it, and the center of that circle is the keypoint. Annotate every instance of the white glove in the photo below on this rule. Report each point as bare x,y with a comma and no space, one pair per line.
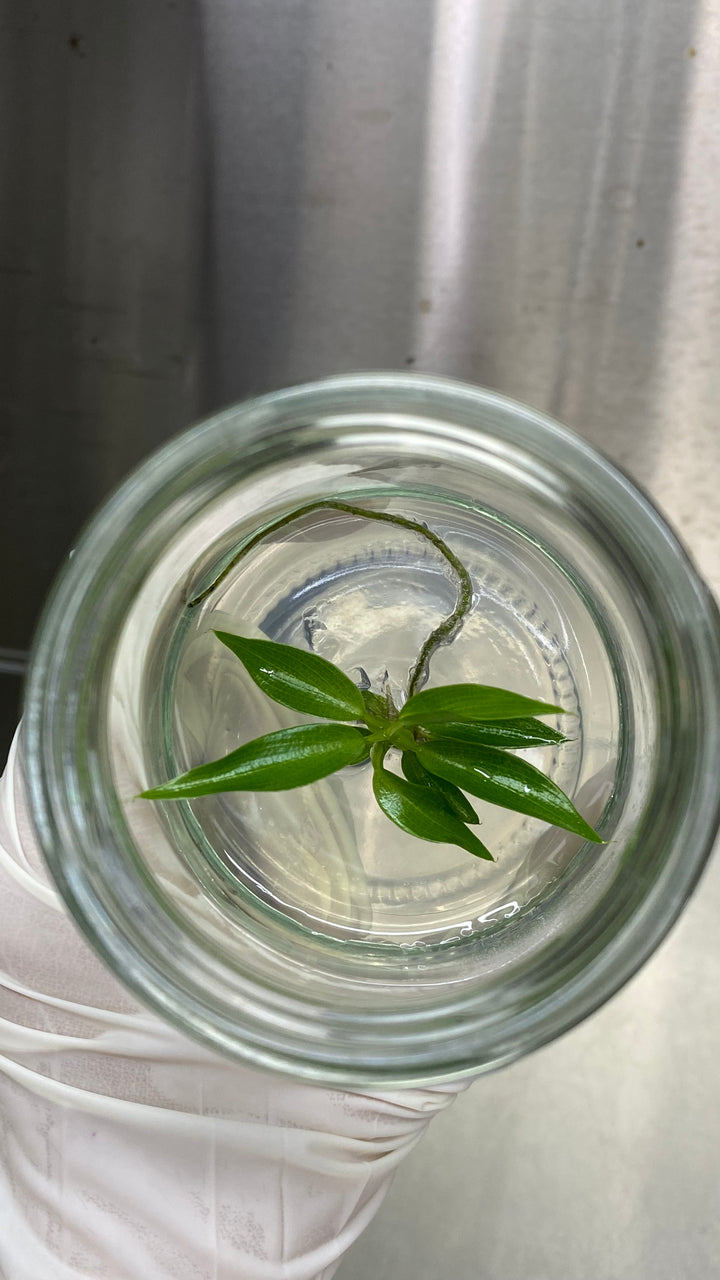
129,1151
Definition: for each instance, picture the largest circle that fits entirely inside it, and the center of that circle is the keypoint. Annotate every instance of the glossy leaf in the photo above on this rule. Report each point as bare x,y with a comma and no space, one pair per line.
507,734
457,702
445,795
414,809
304,681
505,780
375,705
276,762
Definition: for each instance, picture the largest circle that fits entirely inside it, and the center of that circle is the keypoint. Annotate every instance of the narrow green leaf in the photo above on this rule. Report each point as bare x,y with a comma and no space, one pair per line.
375,704
507,734
456,702
447,796
276,762
503,779
414,809
399,736
304,681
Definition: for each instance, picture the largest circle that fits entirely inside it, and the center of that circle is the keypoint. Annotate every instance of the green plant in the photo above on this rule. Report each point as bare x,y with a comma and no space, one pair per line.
450,740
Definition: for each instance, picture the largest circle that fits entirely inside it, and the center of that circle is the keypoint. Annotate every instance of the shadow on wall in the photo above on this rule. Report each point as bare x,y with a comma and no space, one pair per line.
99,265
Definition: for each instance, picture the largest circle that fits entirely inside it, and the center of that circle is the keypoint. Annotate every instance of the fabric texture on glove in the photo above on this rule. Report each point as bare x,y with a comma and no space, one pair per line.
128,1150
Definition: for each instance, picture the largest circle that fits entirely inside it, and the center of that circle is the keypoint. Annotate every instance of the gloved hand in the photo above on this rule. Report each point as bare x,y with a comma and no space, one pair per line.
130,1151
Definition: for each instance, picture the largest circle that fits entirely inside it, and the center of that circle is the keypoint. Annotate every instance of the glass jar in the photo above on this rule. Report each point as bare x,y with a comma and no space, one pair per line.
301,931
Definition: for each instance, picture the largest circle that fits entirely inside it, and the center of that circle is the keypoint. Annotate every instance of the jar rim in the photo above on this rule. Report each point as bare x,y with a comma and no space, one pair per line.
60,741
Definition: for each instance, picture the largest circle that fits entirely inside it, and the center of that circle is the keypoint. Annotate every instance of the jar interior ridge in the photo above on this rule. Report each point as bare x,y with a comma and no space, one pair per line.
365,595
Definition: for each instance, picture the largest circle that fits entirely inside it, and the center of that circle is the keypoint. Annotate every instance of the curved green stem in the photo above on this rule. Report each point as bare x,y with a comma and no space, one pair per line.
442,634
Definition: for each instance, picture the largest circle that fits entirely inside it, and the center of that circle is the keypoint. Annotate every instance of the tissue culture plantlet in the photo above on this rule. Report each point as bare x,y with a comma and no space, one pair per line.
426,754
